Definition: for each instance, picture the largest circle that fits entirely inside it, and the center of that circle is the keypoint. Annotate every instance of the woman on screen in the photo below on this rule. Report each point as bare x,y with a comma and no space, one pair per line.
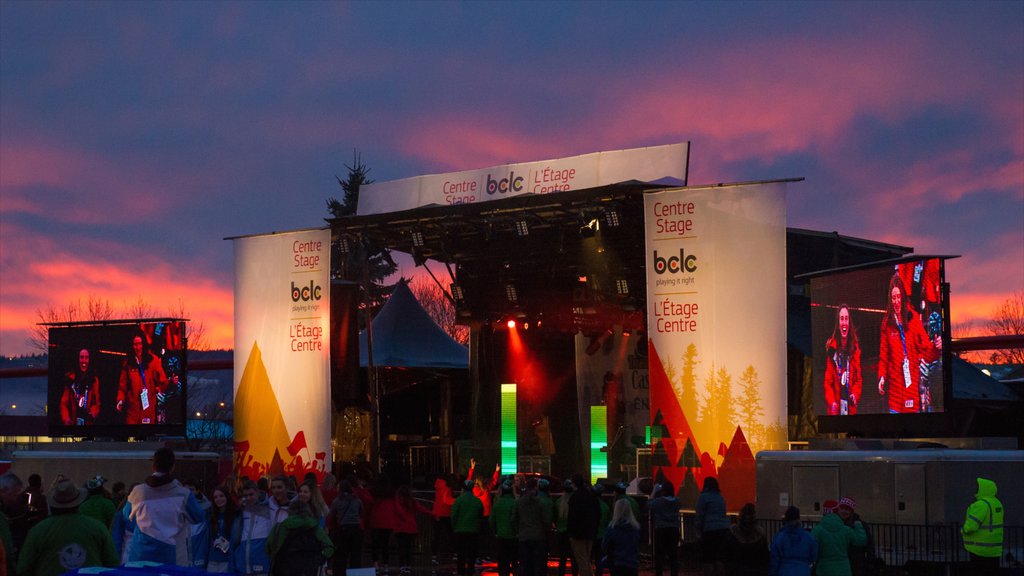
80,402
843,381
903,349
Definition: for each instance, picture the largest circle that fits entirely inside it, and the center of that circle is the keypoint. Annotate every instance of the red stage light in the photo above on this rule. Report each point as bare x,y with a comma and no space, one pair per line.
511,324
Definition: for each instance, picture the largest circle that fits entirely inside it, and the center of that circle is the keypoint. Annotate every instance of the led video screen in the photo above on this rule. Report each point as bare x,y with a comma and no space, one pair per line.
878,336
117,379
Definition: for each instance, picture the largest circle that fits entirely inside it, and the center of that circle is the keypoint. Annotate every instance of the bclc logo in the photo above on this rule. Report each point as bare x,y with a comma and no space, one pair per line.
305,293
675,264
513,183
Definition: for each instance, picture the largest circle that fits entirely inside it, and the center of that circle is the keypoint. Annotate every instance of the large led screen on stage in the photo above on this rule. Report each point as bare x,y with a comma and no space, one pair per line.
117,379
878,336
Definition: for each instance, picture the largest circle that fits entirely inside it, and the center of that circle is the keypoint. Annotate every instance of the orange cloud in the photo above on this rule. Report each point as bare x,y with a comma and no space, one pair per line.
45,274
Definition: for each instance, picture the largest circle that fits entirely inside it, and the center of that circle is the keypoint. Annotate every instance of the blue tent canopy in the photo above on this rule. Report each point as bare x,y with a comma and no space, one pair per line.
405,336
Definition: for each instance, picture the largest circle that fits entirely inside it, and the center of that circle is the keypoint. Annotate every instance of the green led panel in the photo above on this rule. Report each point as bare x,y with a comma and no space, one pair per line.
598,440
509,461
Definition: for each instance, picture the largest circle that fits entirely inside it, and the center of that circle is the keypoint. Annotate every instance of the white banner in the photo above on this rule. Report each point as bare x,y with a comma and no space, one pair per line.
543,177
716,316
282,354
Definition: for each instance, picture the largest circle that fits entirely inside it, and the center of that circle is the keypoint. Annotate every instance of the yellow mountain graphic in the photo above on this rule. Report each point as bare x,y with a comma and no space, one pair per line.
260,430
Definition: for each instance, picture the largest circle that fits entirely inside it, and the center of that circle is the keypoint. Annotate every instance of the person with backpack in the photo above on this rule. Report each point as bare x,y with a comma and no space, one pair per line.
298,546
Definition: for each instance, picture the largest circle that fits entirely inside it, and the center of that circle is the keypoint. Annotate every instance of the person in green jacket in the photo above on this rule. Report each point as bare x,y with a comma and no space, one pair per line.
983,529
504,529
834,540
295,541
99,504
66,540
467,517
562,527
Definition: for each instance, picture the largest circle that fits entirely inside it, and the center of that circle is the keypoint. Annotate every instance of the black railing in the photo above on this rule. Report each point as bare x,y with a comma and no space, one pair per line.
900,544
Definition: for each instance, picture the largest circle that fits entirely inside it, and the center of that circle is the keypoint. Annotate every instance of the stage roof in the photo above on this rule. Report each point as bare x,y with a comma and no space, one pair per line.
580,266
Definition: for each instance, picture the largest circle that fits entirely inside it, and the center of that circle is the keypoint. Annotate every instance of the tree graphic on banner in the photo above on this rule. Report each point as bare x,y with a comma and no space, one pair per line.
724,410
749,403
688,397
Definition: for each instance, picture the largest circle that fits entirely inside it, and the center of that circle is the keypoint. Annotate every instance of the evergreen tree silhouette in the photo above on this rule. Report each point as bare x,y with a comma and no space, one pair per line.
749,403
688,381
725,413
708,422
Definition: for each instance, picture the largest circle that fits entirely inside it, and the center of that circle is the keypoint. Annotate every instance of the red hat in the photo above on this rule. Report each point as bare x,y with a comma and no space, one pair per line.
847,503
829,507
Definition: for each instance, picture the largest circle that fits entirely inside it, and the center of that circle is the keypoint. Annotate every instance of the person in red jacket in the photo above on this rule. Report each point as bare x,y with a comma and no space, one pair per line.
442,511
843,380
406,526
80,403
903,349
142,377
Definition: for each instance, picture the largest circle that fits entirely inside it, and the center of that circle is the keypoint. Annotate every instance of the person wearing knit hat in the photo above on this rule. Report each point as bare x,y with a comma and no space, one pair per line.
501,523
98,504
834,541
793,549
862,558
66,540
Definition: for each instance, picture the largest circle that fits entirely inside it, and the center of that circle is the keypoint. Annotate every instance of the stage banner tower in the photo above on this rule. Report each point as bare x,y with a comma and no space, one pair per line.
282,354
716,320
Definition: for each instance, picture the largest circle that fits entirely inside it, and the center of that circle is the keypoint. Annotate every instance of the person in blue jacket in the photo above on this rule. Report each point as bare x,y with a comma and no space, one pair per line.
250,532
199,532
793,548
161,508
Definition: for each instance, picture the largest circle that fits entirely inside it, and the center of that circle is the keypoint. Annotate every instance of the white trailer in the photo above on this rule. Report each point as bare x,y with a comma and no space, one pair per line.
128,466
909,487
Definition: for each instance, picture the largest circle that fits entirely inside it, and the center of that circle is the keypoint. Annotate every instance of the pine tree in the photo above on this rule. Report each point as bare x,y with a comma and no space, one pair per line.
724,411
708,422
359,259
750,411
688,398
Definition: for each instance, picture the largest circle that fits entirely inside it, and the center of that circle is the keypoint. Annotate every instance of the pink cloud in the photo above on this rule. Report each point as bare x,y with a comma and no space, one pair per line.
96,182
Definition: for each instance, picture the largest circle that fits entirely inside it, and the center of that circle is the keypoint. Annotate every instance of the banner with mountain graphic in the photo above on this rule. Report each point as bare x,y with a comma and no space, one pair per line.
716,320
282,354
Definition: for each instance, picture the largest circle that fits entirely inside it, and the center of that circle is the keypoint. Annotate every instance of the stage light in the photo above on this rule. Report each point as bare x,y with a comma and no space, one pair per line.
457,293
511,293
343,245
511,323
611,218
622,287
522,228
590,228
417,239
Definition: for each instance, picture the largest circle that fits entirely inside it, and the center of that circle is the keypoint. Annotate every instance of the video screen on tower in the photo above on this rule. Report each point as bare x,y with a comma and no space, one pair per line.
878,335
117,379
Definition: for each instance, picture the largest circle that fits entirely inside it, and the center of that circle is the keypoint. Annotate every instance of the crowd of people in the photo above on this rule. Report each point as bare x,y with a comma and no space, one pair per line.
281,526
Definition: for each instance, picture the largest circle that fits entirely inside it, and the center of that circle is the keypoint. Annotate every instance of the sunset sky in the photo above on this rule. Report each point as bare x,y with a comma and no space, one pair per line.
135,136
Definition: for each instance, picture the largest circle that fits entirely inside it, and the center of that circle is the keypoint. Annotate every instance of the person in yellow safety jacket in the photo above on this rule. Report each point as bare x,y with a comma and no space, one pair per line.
983,529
